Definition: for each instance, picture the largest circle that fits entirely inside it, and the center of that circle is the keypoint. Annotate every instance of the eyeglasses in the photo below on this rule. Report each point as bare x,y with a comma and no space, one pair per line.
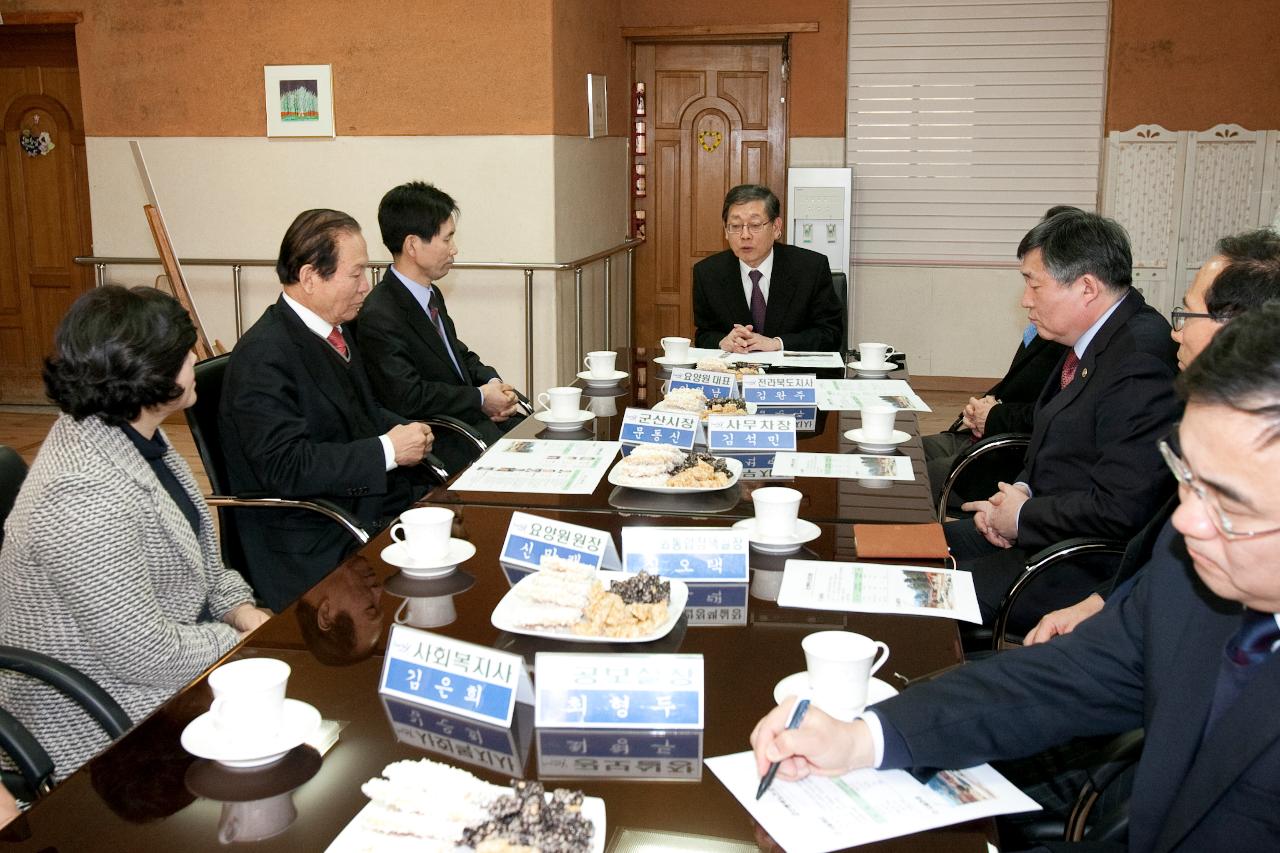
752,228
1180,316
1185,477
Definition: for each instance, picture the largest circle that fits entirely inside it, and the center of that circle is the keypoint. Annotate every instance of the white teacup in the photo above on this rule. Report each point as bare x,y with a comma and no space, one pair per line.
248,698
877,423
562,403
874,356
426,612
600,363
676,349
424,531
840,666
777,509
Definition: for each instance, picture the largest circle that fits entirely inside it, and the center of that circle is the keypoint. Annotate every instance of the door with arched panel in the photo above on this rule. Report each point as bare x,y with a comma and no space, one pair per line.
715,116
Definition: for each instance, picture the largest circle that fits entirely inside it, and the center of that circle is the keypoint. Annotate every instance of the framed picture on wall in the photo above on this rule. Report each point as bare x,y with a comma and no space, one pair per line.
299,100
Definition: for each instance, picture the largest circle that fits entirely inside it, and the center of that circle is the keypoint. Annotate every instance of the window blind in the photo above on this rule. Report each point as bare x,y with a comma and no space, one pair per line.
967,119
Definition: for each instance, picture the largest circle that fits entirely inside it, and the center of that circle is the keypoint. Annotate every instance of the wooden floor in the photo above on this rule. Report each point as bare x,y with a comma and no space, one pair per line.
24,427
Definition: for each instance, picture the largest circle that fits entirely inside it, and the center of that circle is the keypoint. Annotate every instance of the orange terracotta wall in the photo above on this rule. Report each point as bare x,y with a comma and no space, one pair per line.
585,39
1191,64
819,61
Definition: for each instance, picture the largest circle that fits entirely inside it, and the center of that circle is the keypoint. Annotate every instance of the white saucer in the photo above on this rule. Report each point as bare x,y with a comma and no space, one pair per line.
203,739
671,362
876,372
603,381
460,550
806,531
855,435
797,684
574,421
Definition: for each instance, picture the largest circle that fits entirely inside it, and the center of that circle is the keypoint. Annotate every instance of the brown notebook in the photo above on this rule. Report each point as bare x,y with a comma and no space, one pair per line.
900,541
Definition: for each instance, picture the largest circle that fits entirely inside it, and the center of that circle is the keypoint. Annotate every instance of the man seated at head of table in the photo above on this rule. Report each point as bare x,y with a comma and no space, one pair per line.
1188,652
416,362
1242,276
759,295
1092,468
299,420
1008,406
110,562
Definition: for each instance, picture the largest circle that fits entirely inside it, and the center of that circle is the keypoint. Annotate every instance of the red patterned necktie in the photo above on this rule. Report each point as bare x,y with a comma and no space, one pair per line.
757,302
338,342
1069,369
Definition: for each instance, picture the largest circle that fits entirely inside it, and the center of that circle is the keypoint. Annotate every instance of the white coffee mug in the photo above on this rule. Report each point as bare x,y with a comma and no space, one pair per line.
562,403
600,363
874,355
777,509
426,612
840,666
248,698
425,532
877,422
676,349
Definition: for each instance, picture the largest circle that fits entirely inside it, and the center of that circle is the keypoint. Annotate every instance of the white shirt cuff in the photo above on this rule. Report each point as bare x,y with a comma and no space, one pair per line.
1017,517
877,735
388,452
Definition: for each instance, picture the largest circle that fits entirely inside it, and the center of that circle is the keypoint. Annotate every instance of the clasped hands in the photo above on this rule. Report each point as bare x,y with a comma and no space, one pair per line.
744,339
997,517
500,401
974,416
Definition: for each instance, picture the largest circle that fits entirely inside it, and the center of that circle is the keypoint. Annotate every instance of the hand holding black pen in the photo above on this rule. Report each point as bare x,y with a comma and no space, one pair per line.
797,717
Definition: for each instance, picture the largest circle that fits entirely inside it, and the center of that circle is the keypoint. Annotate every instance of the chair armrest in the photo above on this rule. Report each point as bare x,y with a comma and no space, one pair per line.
1116,758
452,424
1037,565
35,767
97,702
320,505
992,444
524,403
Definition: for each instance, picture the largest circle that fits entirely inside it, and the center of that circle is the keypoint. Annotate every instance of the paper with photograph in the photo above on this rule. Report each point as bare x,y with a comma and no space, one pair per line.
846,395
879,588
538,466
845,465
821,813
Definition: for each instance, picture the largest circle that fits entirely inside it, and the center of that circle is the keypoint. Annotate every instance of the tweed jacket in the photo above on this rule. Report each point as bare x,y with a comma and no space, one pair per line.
101,570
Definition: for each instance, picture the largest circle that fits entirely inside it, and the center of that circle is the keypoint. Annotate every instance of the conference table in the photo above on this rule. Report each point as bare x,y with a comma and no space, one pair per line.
146,793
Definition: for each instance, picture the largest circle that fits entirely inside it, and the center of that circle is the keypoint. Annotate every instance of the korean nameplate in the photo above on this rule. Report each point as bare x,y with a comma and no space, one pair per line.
530,538
692,554
784,389
463,679
643,426
714,384
767,433
610,691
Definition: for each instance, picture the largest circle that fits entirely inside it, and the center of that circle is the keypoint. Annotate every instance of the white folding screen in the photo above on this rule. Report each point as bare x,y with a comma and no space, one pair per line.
967,119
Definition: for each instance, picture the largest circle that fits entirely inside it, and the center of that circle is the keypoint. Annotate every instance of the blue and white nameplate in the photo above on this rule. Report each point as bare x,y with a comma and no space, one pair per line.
717,604
692,554
748,433
610,691
619,754
806,416
489,747
644,426
781,389
714,384
450,675
755,466
530,538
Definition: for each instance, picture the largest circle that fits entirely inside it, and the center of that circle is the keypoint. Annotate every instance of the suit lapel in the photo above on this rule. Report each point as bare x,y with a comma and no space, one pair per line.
780,302
419,319
321,363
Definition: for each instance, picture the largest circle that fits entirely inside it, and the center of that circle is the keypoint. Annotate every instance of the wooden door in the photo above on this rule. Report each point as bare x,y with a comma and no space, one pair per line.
715,117
44,202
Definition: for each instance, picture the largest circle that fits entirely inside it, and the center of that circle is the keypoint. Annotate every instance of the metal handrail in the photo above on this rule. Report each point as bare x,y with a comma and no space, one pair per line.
376,268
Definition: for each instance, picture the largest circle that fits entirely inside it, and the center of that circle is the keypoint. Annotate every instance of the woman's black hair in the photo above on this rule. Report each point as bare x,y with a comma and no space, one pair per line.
118,351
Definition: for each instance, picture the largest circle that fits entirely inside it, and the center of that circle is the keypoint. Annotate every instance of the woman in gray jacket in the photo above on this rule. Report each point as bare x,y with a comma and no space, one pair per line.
110,561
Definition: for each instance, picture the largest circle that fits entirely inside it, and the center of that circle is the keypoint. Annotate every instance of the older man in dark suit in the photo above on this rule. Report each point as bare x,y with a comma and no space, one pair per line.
299,419
760,294
418,365
1092,468
1189,653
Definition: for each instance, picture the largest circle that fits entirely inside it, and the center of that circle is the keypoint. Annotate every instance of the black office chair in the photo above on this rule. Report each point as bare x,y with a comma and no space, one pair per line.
35,769
976,471
13,470
841,285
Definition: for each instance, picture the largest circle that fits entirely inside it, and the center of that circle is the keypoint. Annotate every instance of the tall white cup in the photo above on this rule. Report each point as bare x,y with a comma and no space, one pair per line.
563,403
877,422
873,355
248,698
600,363
777,509
840,665
424,531
676,349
